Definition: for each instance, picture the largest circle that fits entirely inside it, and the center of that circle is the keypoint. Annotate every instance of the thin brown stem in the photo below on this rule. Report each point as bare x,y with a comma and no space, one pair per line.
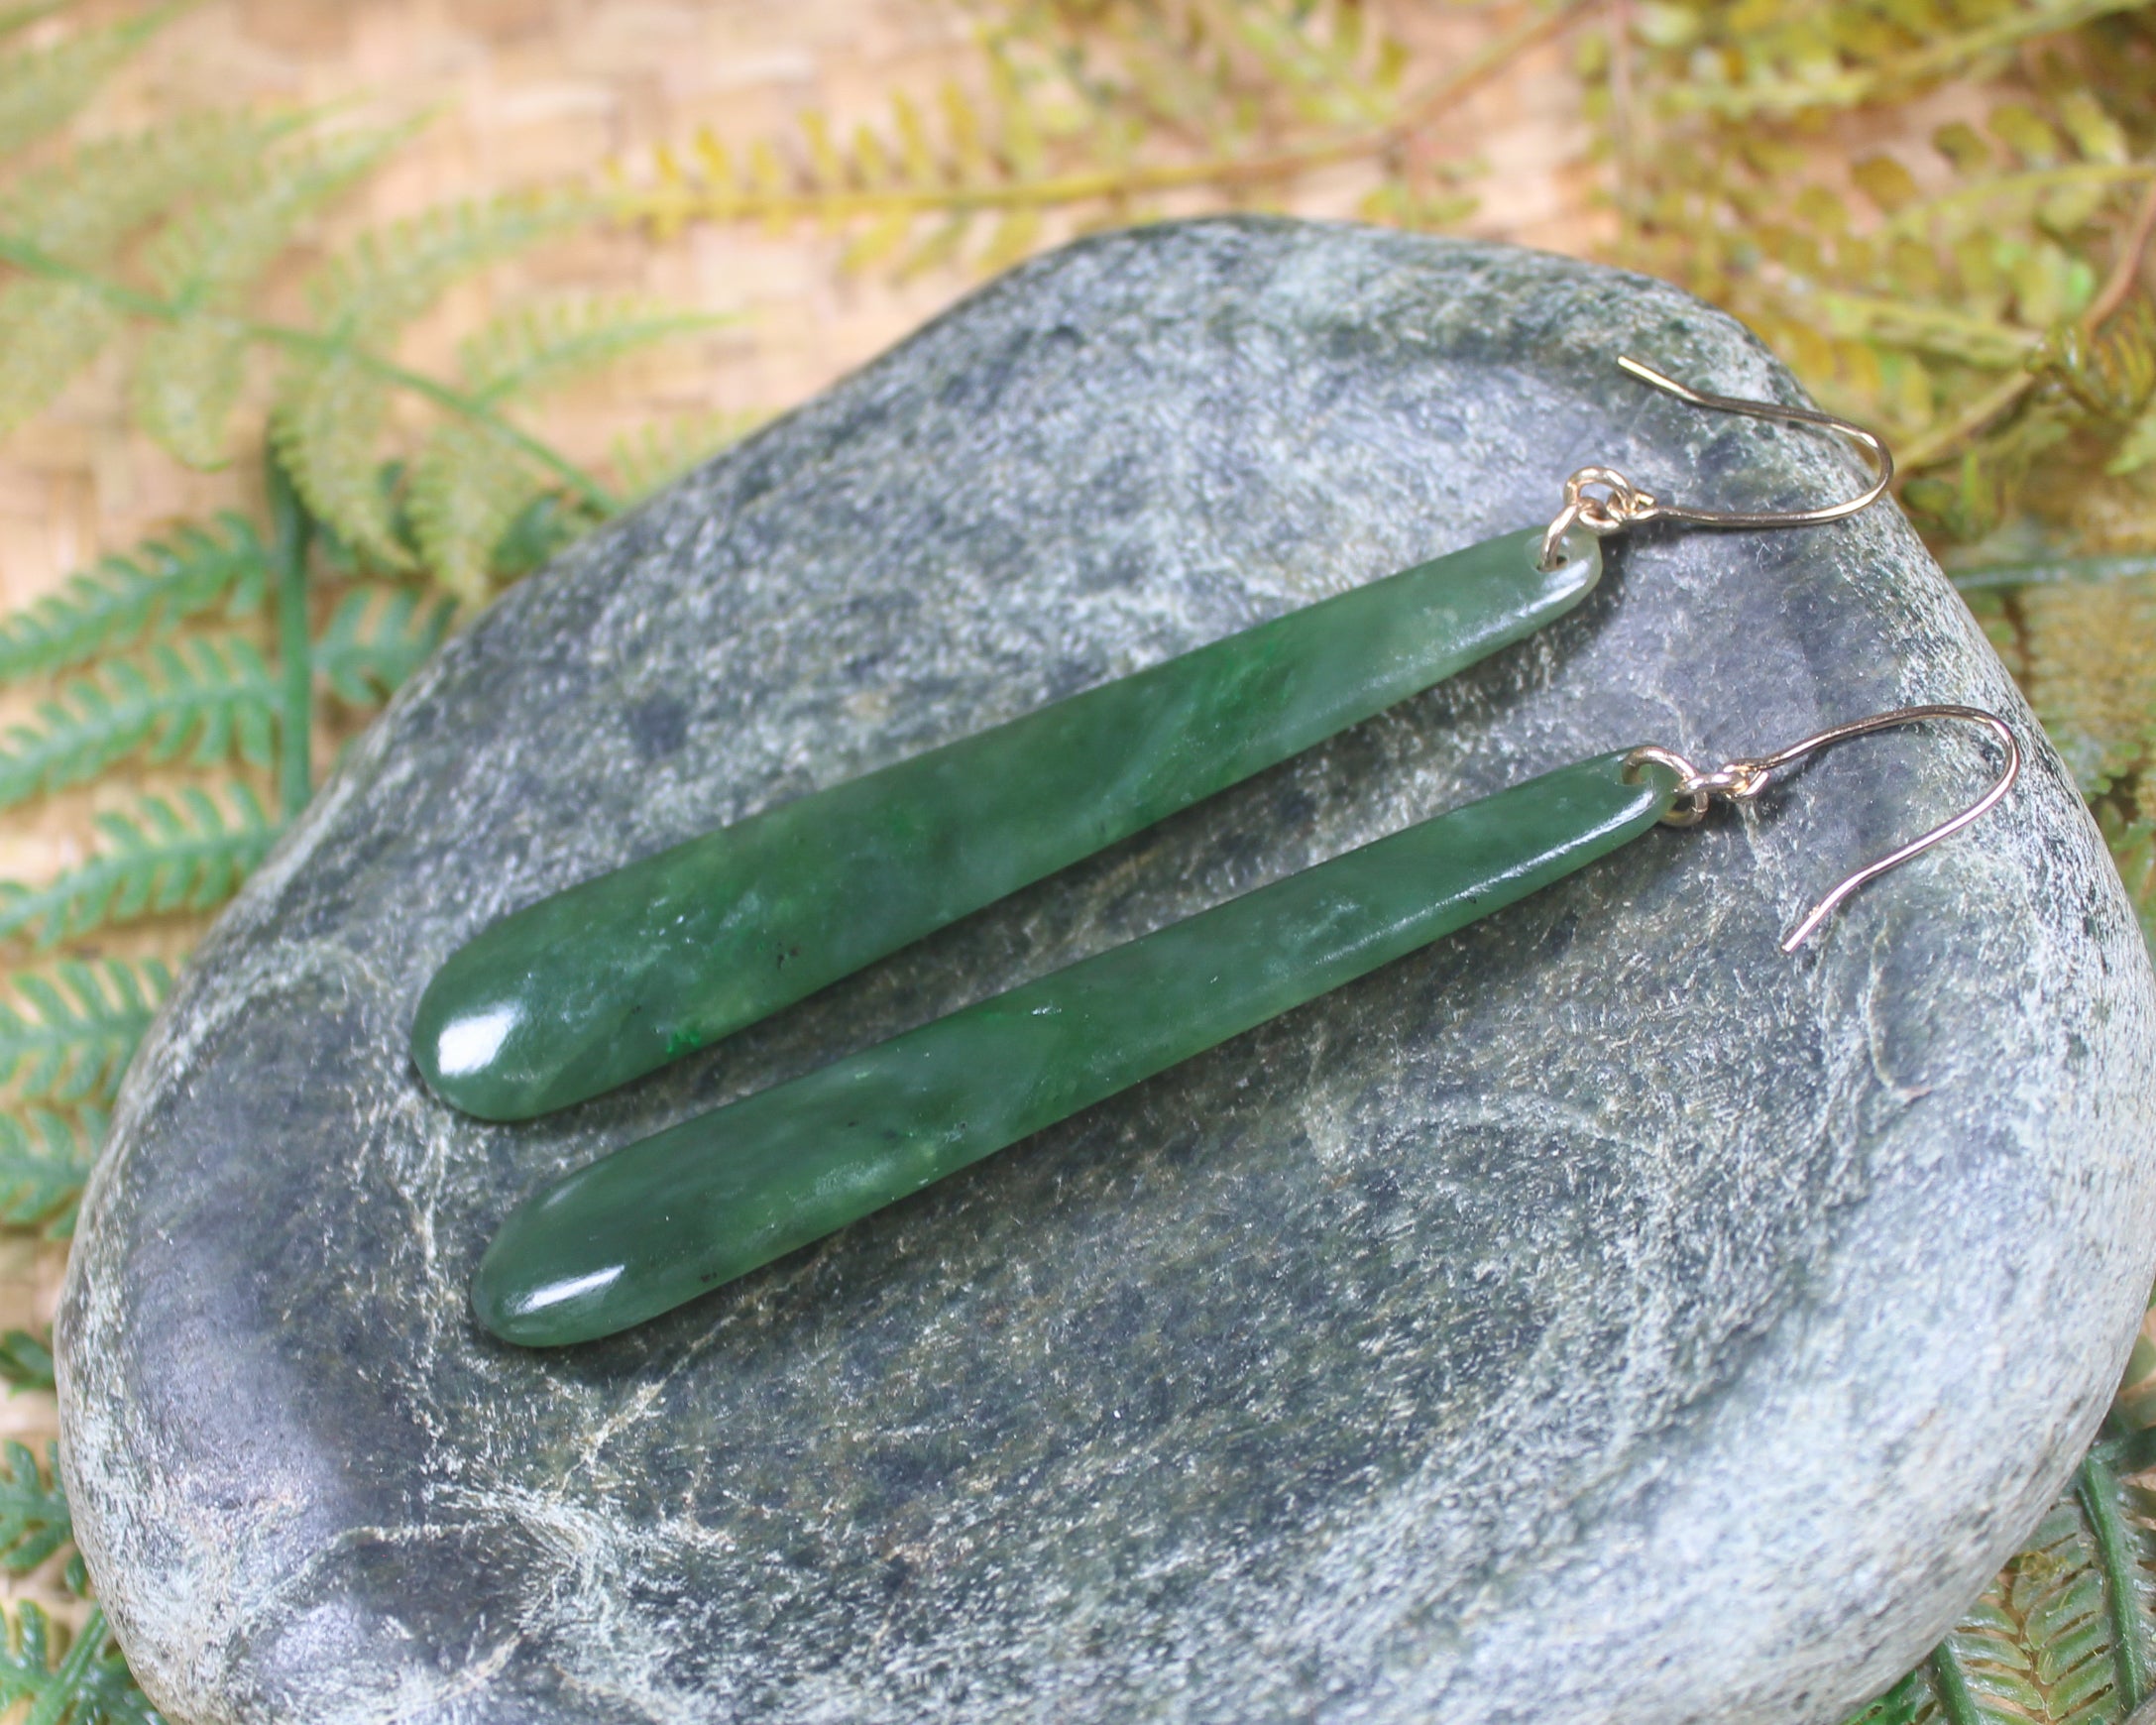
675,203
2118,288
2127,268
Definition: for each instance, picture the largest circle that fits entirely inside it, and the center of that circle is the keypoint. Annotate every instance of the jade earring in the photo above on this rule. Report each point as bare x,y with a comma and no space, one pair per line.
612,977
660,1222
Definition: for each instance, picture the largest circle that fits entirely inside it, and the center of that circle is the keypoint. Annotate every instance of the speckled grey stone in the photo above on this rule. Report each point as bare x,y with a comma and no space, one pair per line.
1599,1316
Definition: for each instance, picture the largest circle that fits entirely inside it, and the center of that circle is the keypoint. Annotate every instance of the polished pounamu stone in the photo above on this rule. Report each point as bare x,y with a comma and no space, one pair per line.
1594,1315
599,985
673,1215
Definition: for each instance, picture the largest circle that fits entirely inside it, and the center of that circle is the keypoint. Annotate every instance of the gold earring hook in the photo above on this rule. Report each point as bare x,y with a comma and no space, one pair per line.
1625,505
1742,780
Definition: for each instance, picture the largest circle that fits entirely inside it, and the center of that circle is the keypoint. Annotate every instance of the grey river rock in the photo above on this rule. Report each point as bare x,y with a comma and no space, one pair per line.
1598,1317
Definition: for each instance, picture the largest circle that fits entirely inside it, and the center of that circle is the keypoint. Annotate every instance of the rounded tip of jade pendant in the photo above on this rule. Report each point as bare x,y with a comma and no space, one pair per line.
462,1042
524,1293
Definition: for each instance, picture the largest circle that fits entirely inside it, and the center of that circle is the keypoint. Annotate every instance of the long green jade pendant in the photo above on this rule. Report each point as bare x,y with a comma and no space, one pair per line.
602,982
662,1220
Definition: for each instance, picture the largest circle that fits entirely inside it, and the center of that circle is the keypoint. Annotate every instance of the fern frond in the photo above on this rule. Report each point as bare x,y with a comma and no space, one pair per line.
208,698
332,409
189,854
655,455
2065,1635
40,91
25,1362
190,373
1790,77
1313,56
326,429
73,217
187,380
214,252
44,1160
470,481
1901,1706
34,1519
81,210
1253,93
376,640
82,1680
75,1028
549,524
545,347
158,583
468,485
387,278
48,332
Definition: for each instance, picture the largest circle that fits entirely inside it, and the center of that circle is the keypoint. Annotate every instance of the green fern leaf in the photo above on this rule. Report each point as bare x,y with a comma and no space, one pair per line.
33,1518
540,349
216,253
208,698
327,425
387,278
82,1680
83,208
470,482
191,372
25,1362
656,455
187,380
375,641
74,217
40,91
44,1160
1898,1706
468,485
167,857
537,535
158,583
76,1028
2066,1633
48,332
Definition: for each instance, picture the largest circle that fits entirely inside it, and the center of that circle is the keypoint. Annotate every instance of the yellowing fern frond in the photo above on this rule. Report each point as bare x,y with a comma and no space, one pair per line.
1093,108
186,383
1791,68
